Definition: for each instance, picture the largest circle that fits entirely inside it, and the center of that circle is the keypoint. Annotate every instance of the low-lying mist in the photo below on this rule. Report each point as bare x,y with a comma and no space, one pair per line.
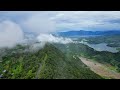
53,39
12,33
42,39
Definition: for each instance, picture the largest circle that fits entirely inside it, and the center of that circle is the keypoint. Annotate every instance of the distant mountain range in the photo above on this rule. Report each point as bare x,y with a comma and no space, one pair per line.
82,33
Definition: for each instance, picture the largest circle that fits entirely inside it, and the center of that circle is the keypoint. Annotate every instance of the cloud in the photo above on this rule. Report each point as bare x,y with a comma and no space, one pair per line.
10,34
40,24
51,21
52,39
36,46
87,20
42,39
44,22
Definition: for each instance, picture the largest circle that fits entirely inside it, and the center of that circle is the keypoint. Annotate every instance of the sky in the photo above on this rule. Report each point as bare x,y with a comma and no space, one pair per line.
13,24
50,21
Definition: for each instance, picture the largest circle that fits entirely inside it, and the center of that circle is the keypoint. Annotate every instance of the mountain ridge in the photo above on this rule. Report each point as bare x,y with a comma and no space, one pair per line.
83,32
47,63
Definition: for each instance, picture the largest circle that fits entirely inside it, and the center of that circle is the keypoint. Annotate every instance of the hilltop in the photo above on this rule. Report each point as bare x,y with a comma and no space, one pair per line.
47,63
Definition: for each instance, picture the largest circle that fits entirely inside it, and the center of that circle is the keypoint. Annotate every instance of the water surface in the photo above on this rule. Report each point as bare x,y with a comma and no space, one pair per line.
102,47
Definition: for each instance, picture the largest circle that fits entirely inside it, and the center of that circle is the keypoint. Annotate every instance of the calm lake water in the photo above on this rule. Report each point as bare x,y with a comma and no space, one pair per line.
102,47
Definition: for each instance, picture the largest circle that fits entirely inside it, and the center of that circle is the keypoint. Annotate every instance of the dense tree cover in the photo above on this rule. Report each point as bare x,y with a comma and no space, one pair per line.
47,63
100,56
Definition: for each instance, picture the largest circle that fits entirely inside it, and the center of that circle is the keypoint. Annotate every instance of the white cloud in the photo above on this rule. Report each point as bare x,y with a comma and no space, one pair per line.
50,21
87,20
10,34
37,46
40,24
52,39
44,38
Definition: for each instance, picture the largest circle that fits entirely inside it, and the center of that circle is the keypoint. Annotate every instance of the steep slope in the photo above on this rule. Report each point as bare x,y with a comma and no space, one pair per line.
57,65
103,57
47,63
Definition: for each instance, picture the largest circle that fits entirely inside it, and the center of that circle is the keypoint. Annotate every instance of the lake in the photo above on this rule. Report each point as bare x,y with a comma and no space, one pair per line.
102,47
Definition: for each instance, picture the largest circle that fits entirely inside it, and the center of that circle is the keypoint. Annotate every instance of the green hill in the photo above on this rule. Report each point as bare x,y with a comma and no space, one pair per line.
83,50
47,63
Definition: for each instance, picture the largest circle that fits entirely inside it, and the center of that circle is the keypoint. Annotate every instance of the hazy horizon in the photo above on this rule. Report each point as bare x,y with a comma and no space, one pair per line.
14,24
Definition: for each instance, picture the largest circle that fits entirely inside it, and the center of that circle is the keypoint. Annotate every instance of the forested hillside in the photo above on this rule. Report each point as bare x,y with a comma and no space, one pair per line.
47,63
100,56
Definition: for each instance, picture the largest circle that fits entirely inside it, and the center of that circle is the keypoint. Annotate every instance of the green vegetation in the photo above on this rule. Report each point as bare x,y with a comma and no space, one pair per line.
47,63
118,49
111,40
54,61
100,56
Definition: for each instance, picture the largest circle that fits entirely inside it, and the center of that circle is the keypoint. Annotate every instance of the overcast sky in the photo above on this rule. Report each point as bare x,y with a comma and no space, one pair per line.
13,24
48,21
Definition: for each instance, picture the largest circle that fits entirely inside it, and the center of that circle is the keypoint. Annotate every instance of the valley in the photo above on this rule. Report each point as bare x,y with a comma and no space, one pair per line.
107,63
101,69
60,45
46,63
59,61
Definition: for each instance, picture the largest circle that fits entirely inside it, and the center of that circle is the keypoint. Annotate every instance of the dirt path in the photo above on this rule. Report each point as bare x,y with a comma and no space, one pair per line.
39,69
100,69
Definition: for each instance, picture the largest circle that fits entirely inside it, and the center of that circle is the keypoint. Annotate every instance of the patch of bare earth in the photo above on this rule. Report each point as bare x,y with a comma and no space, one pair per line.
100,69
